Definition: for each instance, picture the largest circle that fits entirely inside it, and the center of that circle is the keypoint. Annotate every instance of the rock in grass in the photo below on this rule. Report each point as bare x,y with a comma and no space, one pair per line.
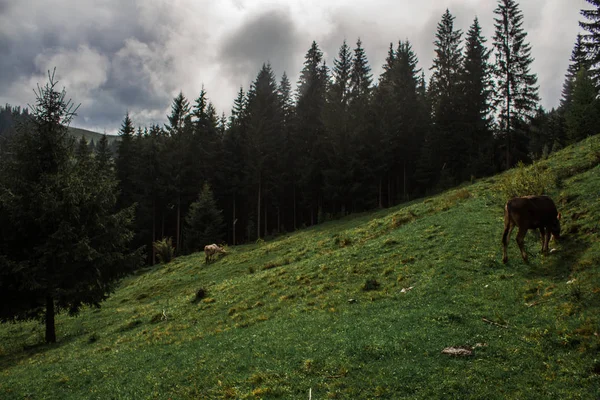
460,351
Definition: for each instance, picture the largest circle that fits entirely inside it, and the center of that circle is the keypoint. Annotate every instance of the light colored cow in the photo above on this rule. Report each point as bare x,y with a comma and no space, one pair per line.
210,250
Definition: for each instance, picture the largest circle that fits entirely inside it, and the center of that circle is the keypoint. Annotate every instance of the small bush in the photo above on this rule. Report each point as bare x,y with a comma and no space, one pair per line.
200,294
371,284
92,338
535,179
164,250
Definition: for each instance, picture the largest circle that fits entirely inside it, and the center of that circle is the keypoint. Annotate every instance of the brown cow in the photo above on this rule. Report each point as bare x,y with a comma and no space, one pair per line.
212,249
530,212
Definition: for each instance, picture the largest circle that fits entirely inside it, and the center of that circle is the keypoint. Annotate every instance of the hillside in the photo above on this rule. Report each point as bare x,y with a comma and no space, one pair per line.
351,309
91,135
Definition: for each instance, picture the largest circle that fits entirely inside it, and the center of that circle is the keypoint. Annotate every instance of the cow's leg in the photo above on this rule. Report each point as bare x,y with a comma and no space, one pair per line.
206,258
543,238
521,242
548,236
508,228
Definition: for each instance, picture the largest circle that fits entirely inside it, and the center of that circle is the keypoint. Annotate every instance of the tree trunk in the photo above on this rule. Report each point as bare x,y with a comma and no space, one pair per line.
234,220
258,210
404,183
178,225
153,231
50,327
266,224
295,222
380,192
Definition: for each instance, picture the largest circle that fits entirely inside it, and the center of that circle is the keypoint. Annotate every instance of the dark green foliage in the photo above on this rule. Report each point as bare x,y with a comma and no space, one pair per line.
582,117
516,86
310,138
445,93
477,107
203,223
578,61
371,284
63,245
591,39
165,252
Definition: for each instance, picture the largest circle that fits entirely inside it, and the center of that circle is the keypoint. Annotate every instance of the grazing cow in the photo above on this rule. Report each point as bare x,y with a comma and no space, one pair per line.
530,212
212,249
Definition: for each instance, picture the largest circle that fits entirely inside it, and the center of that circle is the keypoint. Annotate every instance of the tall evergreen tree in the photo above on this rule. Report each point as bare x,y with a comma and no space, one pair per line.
204,222
337,178
591,40
288,154
125,163
583,114
310,131
446,96
578,61
477,104
263,140
516,86
62,246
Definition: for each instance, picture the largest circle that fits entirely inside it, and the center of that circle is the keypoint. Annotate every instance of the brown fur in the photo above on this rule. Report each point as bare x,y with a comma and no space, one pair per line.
530,212
210,250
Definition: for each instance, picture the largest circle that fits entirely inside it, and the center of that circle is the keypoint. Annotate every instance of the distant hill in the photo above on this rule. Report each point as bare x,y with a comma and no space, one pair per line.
91,135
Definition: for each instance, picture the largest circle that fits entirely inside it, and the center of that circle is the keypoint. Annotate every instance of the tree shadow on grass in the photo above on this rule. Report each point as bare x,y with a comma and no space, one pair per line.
558,266
17,354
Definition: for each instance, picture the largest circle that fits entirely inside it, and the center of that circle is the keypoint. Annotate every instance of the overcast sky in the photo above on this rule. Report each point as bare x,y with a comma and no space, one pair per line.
118,56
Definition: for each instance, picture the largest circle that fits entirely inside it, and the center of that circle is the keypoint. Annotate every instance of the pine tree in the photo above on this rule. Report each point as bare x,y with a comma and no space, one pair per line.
126,159
310,139
477,104
104,158
578,61
583,115
204,222
446,94
263,141
62,246
591,40
516,87
337,179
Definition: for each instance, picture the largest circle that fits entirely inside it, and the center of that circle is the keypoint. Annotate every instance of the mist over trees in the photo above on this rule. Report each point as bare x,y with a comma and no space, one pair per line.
340,140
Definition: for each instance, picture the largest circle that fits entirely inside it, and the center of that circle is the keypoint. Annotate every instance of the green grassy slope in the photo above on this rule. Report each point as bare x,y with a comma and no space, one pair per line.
289,316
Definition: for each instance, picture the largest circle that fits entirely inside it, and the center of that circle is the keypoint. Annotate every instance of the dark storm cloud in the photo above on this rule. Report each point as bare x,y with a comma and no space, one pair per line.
268,37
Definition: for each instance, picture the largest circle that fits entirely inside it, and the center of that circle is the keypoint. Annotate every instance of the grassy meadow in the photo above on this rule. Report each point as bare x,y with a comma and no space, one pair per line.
357,308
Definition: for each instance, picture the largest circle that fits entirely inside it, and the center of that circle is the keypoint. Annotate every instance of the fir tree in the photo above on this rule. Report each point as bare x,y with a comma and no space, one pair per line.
591,40
62,246
125,163
583,115
204,222
578,61
477,105
446,100
263,140
309,140
516,87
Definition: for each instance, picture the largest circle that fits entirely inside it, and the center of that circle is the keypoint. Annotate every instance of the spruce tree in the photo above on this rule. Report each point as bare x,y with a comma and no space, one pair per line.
447,99
578,61
62,246
516,86
337,178
263,141
204,222
125,163
591,40
477,104
310,139
583,115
